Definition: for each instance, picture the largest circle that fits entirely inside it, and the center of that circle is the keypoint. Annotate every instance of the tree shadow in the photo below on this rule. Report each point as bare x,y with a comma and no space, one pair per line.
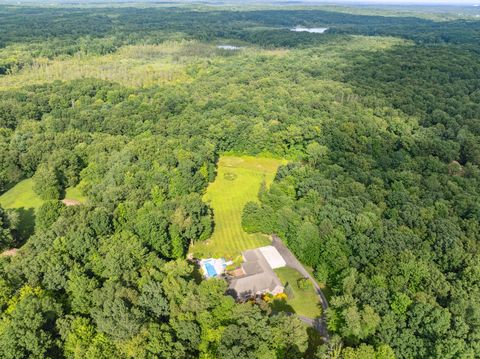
196,273
291,352
26,225
63,192
278,306
212,216
314,341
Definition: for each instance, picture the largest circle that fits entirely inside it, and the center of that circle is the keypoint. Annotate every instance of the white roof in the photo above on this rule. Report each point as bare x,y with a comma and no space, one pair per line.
273,257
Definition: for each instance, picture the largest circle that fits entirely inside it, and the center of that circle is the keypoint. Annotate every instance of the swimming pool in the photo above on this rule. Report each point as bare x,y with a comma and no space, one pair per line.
210,269
213,267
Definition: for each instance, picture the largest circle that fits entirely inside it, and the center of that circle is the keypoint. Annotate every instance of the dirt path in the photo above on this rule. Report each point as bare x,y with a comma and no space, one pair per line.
71,202
320,324
9,252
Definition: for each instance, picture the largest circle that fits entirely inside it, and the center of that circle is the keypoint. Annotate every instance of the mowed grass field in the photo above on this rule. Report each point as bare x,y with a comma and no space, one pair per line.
238,182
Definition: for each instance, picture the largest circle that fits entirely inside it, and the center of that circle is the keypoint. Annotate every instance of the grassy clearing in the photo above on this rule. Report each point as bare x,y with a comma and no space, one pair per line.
305,301
25,201
75,194
134,66
142,66
137,66
238,181
21,196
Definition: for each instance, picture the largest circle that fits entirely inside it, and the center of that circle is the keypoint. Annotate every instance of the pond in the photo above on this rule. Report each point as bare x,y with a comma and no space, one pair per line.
316,30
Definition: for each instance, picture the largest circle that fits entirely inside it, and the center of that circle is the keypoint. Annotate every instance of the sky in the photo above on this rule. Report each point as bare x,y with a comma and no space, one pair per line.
377,2
443,2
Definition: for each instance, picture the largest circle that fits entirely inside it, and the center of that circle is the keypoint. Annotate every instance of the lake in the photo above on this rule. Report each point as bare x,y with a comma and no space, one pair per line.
316,30
229,47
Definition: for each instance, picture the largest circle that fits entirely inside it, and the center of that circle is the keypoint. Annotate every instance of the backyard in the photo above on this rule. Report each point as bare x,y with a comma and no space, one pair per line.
238,181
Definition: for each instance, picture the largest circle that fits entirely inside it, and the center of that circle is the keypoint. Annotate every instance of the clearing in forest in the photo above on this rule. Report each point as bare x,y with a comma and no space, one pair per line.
22,195
23,198
238,182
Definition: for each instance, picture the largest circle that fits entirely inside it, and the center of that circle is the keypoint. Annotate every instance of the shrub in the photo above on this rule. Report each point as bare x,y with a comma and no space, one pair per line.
229,176
288,291
303,283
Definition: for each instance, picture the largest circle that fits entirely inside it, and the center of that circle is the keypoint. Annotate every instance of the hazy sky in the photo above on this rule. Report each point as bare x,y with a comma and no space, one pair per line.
444,2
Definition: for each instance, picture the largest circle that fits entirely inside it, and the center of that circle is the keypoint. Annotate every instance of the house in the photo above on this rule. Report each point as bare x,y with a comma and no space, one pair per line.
256,275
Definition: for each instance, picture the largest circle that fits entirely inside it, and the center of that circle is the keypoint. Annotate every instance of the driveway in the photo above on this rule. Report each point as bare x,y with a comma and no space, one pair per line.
319,323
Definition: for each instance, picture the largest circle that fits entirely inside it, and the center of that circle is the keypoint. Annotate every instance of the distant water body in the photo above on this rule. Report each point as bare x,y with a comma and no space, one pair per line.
316,30
229,47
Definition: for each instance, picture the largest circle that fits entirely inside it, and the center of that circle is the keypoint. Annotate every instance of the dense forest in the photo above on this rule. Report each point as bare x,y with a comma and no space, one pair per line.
378,117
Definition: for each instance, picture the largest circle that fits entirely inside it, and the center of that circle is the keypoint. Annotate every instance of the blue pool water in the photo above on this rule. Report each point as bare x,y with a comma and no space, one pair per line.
210,270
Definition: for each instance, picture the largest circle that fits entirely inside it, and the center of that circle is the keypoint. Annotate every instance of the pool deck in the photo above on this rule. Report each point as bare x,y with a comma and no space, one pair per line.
213,267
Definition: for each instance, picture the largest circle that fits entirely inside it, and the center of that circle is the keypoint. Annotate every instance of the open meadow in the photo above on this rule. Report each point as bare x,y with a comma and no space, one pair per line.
238,182
21,196
25,201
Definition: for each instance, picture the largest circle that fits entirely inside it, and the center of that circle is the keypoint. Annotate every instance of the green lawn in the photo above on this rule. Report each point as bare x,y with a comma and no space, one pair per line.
22,198
305,301
75,194
238,181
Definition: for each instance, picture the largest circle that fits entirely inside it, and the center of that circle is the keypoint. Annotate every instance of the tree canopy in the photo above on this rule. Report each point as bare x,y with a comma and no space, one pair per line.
378,118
